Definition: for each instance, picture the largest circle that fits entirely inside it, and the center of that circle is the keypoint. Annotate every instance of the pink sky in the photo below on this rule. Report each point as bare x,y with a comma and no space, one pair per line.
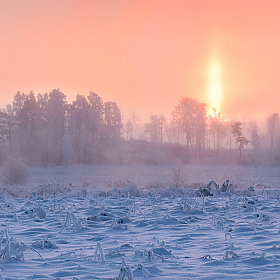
145,55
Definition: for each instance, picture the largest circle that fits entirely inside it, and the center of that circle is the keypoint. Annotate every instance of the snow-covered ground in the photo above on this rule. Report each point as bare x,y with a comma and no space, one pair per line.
102,222
147,176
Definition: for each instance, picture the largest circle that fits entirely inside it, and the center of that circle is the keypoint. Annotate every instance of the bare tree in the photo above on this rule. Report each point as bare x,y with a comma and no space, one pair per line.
128,129
78,127
6,124
113,120
240,139
255,139
134,118
271,123
153,128
217,129
130,124
190,116
56,124
161,121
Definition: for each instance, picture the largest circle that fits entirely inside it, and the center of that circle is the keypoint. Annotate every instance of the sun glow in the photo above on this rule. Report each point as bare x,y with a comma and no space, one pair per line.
214,86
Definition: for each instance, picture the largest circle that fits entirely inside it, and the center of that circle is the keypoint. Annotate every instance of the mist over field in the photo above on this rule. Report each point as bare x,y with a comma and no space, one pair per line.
45,129
86,194
139,139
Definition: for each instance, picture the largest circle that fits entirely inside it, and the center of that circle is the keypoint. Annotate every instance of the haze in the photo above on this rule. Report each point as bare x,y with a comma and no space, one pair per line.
145,55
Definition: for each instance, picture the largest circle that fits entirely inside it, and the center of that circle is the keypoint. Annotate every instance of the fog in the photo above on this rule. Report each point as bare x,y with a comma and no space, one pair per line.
48,130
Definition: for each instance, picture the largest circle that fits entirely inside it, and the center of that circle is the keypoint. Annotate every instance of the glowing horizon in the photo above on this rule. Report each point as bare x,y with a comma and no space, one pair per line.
145,54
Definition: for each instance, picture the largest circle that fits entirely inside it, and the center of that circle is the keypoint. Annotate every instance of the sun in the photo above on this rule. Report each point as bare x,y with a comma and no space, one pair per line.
214,93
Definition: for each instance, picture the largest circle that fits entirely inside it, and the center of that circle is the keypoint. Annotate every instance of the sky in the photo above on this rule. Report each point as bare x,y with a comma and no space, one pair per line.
145,54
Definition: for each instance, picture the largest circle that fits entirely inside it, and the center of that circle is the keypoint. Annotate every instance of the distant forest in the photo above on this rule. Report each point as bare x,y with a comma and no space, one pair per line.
46,130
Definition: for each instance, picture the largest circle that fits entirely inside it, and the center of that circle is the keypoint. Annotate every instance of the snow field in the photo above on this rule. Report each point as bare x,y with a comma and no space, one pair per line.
160,234
65,225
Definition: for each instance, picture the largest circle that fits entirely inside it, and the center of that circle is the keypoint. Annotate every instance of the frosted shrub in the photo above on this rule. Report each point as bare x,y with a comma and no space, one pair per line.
229,255
73,223
14,172
13,249
207,257
133,191
178,177
132,210
125,272
141,271
220,224
99,249
40,213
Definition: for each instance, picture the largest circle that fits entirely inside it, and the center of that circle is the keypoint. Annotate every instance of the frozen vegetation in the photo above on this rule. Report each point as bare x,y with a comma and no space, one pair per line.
139,221
83,197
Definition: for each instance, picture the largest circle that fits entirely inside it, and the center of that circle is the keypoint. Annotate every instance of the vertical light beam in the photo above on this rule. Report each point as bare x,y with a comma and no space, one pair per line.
215,86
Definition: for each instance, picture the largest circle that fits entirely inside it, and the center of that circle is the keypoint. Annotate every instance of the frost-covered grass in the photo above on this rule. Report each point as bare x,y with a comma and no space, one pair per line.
83,178
64,225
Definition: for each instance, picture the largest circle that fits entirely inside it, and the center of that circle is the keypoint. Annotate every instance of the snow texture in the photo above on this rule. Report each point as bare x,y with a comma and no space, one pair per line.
128,232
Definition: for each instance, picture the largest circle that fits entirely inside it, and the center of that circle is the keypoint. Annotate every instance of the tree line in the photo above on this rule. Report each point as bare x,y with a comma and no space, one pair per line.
46,129
203,134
